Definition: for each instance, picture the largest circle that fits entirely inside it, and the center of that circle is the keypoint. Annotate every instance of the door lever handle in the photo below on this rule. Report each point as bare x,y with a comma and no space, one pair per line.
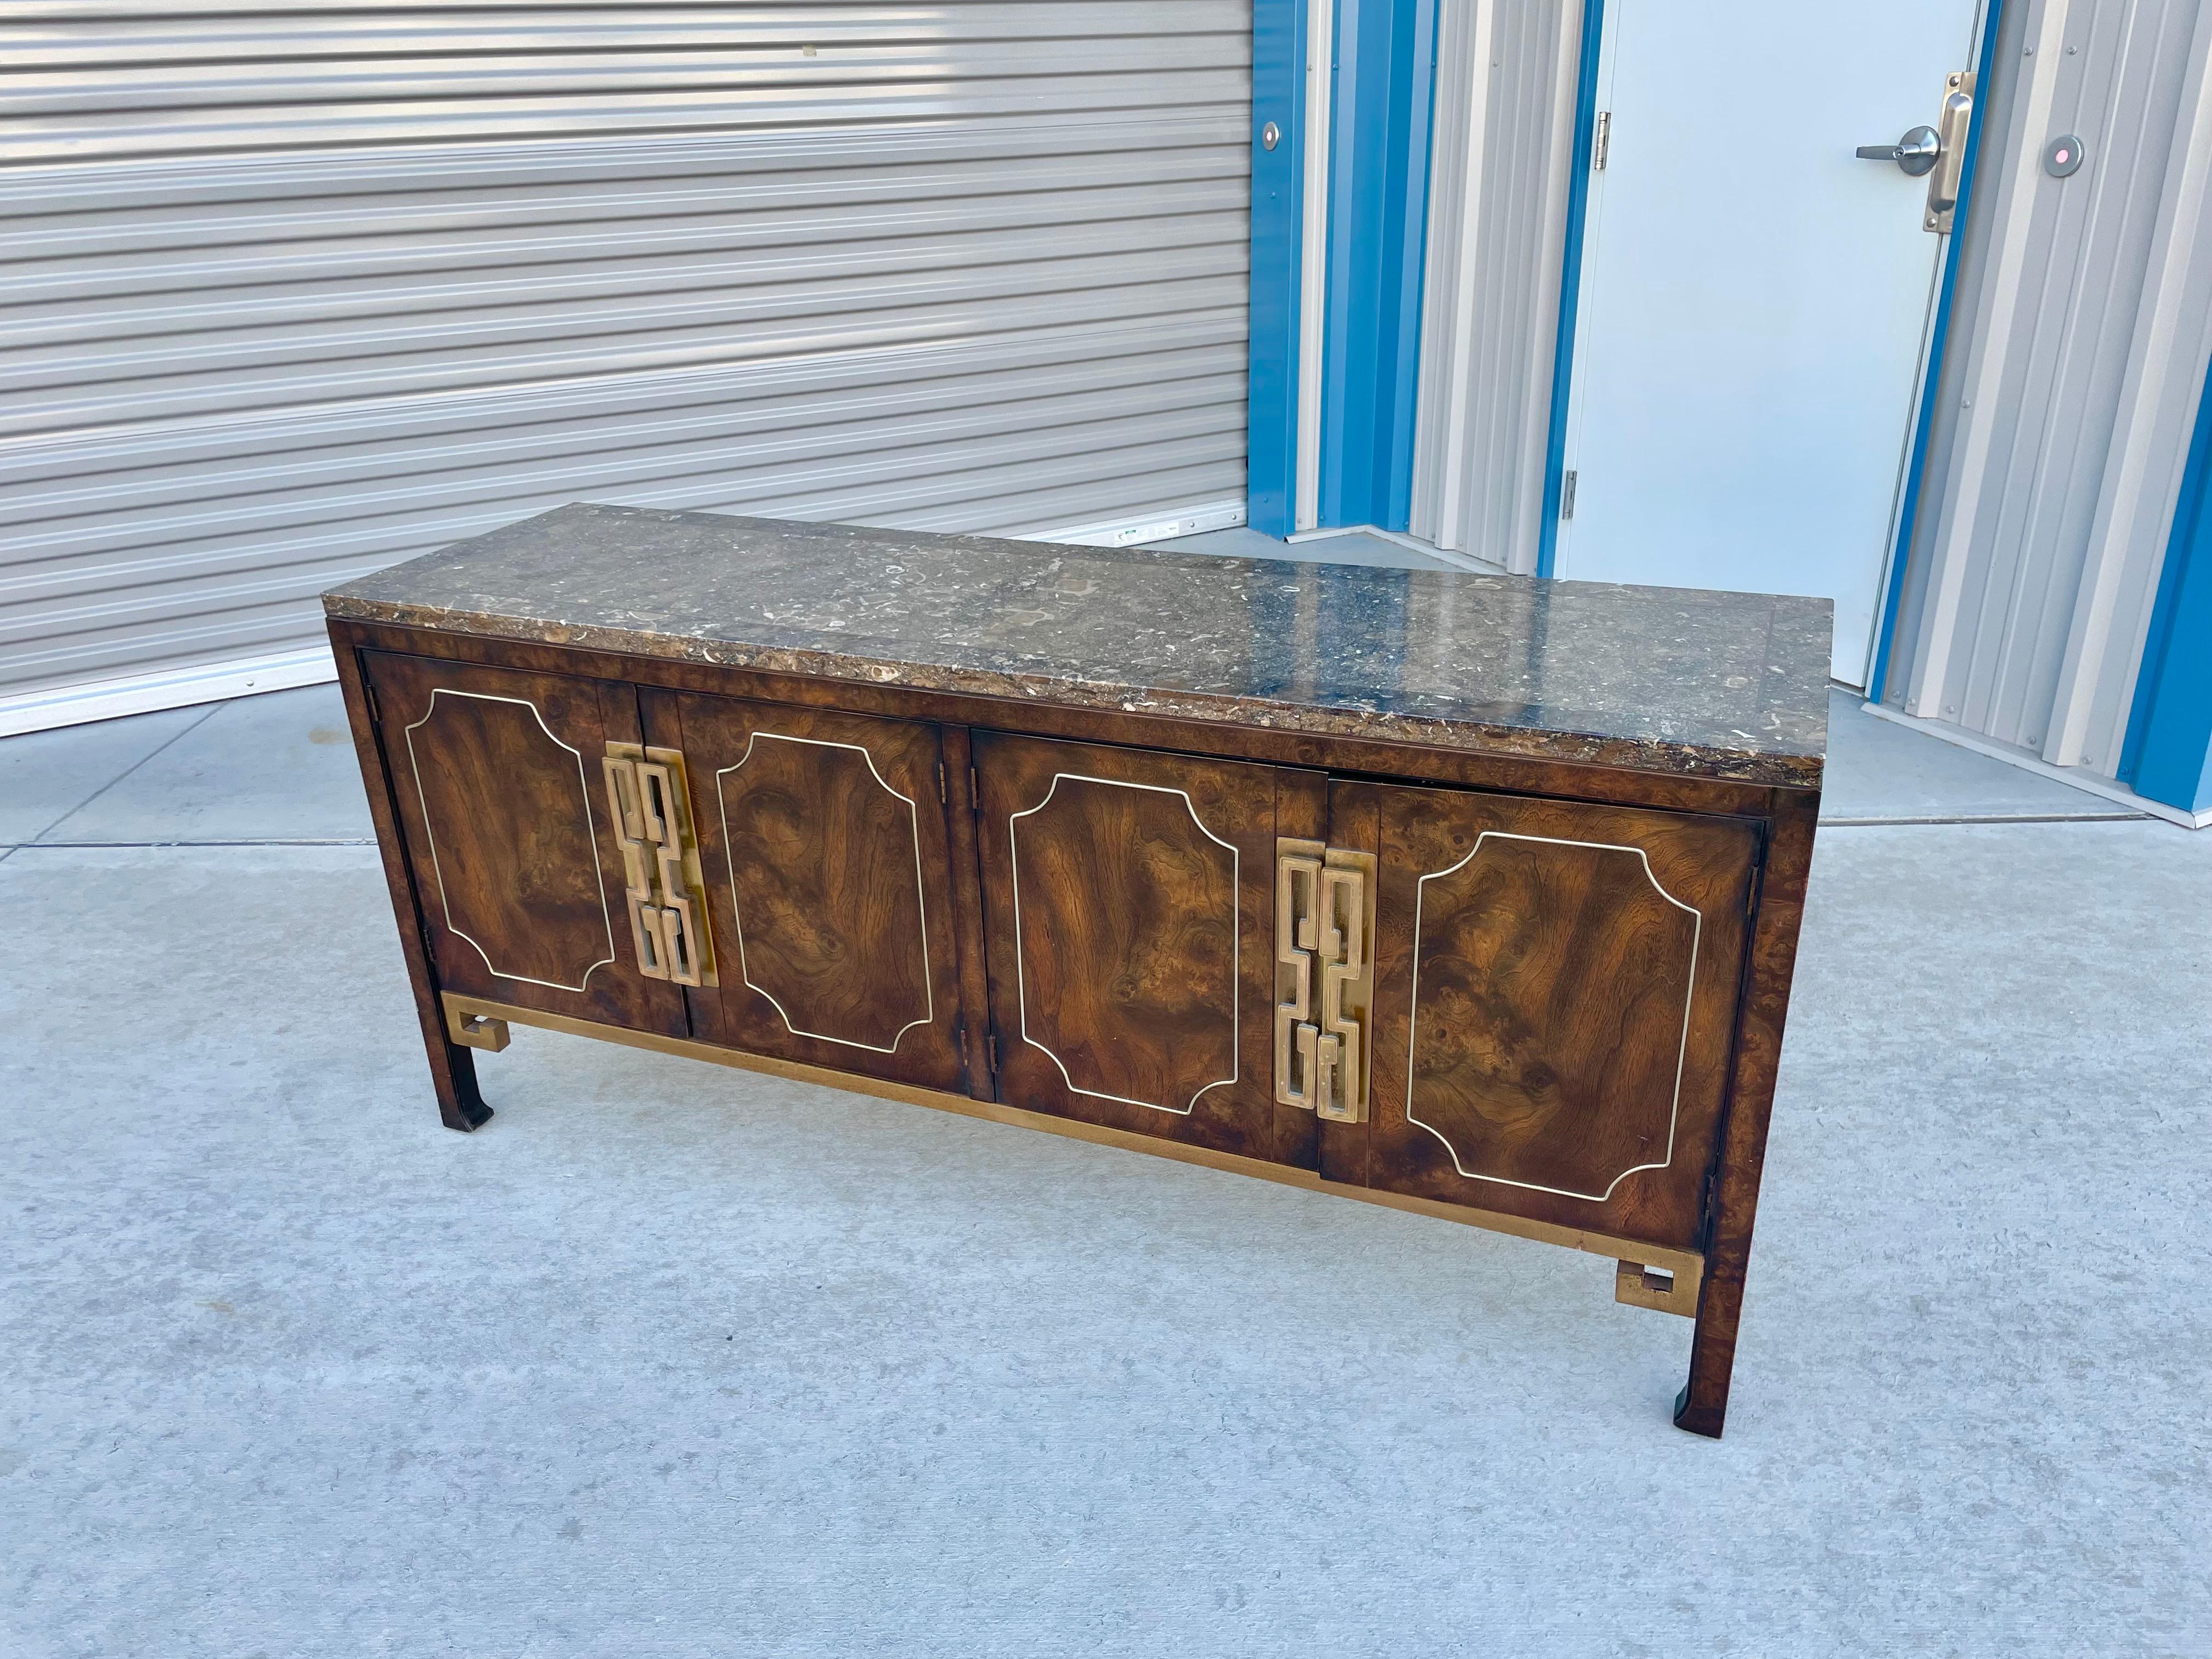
1916,154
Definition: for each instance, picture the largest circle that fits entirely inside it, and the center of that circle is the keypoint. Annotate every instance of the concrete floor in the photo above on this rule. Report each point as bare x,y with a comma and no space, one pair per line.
675,1360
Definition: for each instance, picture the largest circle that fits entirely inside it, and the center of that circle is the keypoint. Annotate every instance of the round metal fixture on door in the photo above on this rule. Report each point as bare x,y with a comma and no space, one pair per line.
2062,157
1915,154
1270,136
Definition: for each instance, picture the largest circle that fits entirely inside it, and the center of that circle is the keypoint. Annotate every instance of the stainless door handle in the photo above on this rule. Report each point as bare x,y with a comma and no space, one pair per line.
1915,154
1958,119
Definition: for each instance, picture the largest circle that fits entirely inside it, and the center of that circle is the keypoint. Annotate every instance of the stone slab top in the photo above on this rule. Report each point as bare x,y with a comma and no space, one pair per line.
1673,680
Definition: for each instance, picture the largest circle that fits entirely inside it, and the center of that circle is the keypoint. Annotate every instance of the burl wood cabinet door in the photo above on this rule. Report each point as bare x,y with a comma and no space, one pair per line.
822,841
1129,931
1555,999
502,804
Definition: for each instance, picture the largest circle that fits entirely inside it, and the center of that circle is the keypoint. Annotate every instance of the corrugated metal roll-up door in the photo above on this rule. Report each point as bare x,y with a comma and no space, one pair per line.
295,291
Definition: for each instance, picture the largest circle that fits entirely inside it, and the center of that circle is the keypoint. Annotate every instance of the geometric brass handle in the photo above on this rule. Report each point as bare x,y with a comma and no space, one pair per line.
649,793
1324,978
1298,897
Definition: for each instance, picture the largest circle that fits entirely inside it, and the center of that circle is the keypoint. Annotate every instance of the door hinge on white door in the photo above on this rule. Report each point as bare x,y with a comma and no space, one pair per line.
1567,496
1602,141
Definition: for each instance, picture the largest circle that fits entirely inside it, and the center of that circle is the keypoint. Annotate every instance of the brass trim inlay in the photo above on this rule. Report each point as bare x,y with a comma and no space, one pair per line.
649,793
1688,1266
1297,863
1324,977
1669,1289
1235,942
437,869
1681,1053
921,893
485,1031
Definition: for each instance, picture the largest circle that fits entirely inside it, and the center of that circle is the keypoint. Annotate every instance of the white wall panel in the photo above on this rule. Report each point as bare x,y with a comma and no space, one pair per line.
297,291
1503,145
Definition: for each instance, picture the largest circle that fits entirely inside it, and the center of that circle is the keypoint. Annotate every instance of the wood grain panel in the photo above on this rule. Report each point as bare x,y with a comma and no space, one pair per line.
1127,901
1522,1085
827,865
515,859
513,862
1557,987
825,877
1125,914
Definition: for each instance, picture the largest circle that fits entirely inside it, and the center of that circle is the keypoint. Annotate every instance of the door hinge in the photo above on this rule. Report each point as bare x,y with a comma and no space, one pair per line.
975,791
369,697
991,1048
941,796
1567,495
1602,141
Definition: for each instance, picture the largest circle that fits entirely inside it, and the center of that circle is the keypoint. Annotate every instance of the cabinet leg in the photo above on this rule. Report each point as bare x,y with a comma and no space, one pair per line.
1702,1405
454,1074
452,1068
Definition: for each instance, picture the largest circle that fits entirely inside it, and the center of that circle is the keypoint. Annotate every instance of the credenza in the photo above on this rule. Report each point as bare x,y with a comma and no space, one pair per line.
1473,896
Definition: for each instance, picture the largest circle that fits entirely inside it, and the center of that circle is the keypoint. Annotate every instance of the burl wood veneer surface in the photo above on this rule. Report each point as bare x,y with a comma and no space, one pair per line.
1555,992
1727,685
830,885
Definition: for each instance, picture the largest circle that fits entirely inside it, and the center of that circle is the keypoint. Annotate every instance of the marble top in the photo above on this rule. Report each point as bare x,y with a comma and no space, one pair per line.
1727,685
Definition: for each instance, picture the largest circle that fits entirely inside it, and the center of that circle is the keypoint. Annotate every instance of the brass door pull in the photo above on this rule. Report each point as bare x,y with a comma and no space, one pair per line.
649,793
1297,937
1324,977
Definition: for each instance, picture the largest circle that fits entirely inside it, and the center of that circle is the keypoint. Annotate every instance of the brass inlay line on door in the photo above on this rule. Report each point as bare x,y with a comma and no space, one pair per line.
929,1015
1681,1053
1235,940
437,866
666,896
1324,977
